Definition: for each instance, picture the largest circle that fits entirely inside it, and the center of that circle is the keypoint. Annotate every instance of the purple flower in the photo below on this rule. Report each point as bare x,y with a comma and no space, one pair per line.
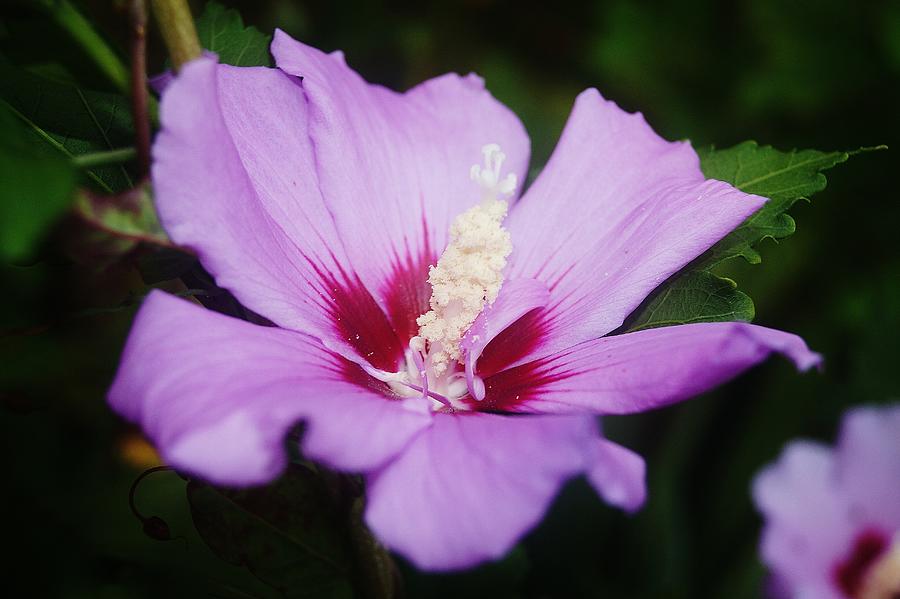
321,201
832,527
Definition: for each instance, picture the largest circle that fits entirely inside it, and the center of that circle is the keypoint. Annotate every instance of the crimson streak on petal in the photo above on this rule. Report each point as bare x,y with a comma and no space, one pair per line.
379,338
515,342
358,319
509,389
407,293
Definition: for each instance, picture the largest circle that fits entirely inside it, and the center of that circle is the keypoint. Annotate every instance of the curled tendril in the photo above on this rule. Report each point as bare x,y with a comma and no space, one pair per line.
153,526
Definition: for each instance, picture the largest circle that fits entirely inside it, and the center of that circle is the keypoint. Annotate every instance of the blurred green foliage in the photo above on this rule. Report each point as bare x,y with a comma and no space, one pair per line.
28,170
810,74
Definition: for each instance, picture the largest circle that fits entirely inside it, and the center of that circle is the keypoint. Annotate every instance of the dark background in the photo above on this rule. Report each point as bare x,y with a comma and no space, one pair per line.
817,74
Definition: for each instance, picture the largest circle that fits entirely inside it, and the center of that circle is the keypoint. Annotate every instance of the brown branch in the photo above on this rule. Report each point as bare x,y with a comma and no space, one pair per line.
137,14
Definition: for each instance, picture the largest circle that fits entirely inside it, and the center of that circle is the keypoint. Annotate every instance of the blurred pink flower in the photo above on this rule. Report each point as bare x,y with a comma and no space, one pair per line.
832,516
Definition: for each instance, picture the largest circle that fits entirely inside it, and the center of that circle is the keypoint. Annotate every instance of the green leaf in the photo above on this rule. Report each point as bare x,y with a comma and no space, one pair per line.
783,177
697,295
71,120
289,534
35,187
694,296
222,31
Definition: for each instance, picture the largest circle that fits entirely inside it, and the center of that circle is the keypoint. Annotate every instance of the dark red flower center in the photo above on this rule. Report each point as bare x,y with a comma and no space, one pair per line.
381,336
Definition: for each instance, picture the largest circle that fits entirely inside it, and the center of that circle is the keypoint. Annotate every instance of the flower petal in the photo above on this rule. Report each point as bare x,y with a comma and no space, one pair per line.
469,487
217,396
616,211
619,475
807,530
517,297
868,465
235,179
640,371
209,201
395,167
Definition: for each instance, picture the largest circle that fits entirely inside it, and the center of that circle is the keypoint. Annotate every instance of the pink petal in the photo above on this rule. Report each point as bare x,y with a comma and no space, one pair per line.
619,476
235,178
217,396
517,297
640,371
395,167
616,211
868,465
807,530
469,487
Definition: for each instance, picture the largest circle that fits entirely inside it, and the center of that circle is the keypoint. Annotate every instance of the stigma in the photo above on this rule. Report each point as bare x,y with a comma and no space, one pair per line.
469,273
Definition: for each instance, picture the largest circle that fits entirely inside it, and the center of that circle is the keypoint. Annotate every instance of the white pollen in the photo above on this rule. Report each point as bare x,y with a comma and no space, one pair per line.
469,273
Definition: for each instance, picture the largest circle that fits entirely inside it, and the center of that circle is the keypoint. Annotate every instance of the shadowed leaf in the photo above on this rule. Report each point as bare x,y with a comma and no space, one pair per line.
695,296
164,264
289,533
72,120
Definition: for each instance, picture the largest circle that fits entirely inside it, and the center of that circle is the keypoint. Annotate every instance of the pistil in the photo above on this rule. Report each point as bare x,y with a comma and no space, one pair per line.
469,273
467,277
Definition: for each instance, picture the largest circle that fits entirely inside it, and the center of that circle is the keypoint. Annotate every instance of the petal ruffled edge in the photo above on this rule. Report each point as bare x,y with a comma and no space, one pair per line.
469,487
218,396
619,476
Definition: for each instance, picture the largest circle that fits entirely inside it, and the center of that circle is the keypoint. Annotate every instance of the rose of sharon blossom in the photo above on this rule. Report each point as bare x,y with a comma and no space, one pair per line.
467,393
832,516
